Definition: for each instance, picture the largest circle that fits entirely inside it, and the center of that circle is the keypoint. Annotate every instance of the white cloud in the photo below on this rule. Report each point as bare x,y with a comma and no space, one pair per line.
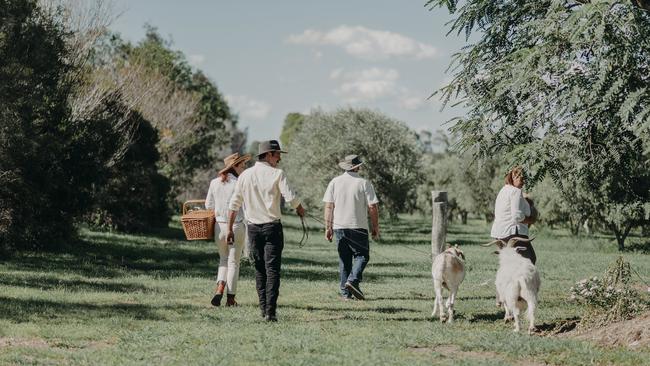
365,85
412,102
196,60
249,108
366,43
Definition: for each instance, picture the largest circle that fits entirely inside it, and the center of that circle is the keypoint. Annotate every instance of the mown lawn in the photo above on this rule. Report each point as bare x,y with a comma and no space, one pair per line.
123,299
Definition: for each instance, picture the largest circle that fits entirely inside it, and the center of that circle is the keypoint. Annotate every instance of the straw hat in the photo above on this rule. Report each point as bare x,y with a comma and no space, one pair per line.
232,160
350,162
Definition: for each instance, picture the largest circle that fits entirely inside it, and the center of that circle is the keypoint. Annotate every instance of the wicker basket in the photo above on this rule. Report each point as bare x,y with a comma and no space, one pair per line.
198,224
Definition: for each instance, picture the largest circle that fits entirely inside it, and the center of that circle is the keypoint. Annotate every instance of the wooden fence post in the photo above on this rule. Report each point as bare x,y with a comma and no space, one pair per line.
438,222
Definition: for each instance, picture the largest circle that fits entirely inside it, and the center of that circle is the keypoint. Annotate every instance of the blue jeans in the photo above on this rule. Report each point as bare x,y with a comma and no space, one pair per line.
354,254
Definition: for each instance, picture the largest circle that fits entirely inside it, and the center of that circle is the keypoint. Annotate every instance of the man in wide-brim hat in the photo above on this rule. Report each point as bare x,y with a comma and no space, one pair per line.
259,189
348,199
218,198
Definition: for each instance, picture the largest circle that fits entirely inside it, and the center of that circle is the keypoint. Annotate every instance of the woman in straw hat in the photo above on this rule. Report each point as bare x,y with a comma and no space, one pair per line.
221,189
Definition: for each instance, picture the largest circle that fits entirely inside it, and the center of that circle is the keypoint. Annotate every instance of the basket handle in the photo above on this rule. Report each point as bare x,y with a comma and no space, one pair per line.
189,202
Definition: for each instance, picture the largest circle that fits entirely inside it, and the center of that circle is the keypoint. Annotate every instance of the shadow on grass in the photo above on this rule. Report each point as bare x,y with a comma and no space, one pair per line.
559,326
381,310
76,285
487,317
116,256
638,247
24,310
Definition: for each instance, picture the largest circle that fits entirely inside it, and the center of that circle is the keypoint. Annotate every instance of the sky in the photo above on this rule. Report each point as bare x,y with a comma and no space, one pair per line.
271,58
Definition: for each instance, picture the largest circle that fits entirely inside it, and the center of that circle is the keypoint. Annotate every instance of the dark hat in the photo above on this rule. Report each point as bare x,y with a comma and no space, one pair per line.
350,162
270,145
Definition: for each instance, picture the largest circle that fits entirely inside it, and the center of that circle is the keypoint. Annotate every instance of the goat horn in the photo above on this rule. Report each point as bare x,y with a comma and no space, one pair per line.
517,239
492,242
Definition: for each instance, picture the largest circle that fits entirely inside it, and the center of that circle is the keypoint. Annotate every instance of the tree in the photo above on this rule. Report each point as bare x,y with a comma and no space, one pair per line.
133,197
561,87
194,122
387,147
292,124
49,159
471,184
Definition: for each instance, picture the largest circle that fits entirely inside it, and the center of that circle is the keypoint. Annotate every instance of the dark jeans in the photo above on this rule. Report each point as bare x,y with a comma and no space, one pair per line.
354,254
267,242
529,252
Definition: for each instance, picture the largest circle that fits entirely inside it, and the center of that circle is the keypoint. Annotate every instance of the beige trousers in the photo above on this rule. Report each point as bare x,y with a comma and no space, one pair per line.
229,255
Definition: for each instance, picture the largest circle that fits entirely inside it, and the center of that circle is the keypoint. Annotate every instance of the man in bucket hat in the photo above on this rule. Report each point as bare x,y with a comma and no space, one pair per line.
259,189
348,199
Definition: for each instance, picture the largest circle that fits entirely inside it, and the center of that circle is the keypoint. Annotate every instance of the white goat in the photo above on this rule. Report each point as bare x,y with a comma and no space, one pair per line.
517,282
448,271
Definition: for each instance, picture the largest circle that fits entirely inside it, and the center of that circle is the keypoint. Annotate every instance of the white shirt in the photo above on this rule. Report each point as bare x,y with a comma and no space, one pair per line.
218,198
259,189
351,196
510,209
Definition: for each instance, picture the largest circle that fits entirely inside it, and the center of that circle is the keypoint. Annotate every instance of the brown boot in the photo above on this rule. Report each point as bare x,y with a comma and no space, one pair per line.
216,299
230,301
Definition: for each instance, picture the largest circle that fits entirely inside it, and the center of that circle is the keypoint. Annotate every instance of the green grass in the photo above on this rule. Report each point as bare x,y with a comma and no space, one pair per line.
124,299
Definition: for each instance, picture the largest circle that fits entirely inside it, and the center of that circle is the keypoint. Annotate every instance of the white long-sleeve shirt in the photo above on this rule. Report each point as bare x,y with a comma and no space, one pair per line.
259,189
218,198
510,209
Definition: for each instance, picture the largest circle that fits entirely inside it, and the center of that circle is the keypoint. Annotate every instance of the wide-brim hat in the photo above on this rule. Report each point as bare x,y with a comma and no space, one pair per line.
350,162
270,145
232,160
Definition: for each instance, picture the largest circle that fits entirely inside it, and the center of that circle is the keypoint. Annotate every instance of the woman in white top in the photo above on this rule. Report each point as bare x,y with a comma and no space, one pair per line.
218,199
512,213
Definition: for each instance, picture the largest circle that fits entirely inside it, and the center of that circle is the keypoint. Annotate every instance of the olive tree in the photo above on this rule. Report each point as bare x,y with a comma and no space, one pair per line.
387,147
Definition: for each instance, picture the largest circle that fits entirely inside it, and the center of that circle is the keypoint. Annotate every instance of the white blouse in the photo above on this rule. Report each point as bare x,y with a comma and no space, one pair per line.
219,196
510,209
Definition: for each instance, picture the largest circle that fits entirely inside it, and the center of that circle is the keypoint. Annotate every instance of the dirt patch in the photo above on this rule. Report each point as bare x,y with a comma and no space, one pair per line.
7,342
454,352
23,342
633,334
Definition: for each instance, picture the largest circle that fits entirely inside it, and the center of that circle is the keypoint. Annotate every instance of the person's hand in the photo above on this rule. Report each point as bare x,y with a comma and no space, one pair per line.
300,211
329,233
375,233
230,237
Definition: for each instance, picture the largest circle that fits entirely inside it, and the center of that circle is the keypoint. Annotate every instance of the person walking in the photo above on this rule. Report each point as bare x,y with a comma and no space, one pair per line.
512,213
348,199
218,199
259,190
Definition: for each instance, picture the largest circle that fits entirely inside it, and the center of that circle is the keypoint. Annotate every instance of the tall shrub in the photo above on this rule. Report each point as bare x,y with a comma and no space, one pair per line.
49,161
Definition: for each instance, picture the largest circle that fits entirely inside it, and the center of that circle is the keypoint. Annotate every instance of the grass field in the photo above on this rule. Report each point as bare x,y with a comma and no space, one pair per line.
123,299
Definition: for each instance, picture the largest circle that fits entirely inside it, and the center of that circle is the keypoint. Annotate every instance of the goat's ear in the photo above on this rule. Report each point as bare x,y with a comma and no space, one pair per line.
456,246
448,245
501,244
